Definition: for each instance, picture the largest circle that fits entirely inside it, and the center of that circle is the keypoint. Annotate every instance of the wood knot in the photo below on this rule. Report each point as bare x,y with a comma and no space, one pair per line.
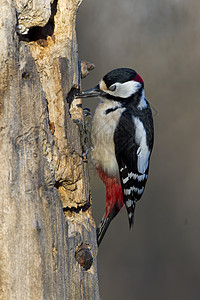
86,67
83,256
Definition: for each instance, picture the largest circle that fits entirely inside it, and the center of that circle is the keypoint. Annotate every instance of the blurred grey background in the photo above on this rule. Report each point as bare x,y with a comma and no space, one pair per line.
160,39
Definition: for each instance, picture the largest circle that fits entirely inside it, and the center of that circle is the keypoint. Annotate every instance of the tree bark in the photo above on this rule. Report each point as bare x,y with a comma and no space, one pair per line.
48,241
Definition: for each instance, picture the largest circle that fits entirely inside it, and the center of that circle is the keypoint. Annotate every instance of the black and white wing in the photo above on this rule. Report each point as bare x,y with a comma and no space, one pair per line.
133,139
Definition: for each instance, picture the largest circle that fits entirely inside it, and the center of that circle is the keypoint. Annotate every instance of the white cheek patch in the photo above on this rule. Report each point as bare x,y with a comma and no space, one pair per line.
143,152
123,90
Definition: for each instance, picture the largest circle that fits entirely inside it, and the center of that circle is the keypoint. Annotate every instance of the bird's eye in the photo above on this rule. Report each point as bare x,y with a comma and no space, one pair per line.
112,88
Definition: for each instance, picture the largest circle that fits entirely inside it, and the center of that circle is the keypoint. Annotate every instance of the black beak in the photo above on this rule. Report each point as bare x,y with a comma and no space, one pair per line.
94,92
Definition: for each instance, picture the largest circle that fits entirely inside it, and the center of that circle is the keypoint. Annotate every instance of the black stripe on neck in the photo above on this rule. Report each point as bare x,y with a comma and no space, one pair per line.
109,110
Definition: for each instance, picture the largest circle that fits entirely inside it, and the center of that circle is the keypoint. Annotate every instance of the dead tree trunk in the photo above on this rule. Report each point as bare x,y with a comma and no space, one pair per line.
44,189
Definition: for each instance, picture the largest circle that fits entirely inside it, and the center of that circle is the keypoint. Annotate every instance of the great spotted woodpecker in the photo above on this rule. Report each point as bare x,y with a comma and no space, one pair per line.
122,140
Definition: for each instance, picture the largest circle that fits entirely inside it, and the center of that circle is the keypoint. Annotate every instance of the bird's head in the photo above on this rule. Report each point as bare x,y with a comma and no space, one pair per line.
118,85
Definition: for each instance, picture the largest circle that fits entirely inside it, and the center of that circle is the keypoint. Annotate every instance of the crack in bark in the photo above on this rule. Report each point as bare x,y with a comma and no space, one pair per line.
70,96
79,207
77,210
39,33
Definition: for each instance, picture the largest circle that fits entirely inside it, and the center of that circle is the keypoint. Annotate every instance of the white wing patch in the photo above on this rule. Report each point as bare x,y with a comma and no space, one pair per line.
134,176
143,152
127,192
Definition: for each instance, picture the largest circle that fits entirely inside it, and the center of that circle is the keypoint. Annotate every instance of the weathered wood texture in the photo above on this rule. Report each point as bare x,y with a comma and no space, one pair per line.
45,195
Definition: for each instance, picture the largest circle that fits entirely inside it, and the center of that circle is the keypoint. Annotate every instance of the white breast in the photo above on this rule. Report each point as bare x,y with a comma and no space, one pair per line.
102,136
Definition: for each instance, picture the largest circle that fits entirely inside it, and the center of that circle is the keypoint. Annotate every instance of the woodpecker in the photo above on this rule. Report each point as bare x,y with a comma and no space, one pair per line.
122,140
